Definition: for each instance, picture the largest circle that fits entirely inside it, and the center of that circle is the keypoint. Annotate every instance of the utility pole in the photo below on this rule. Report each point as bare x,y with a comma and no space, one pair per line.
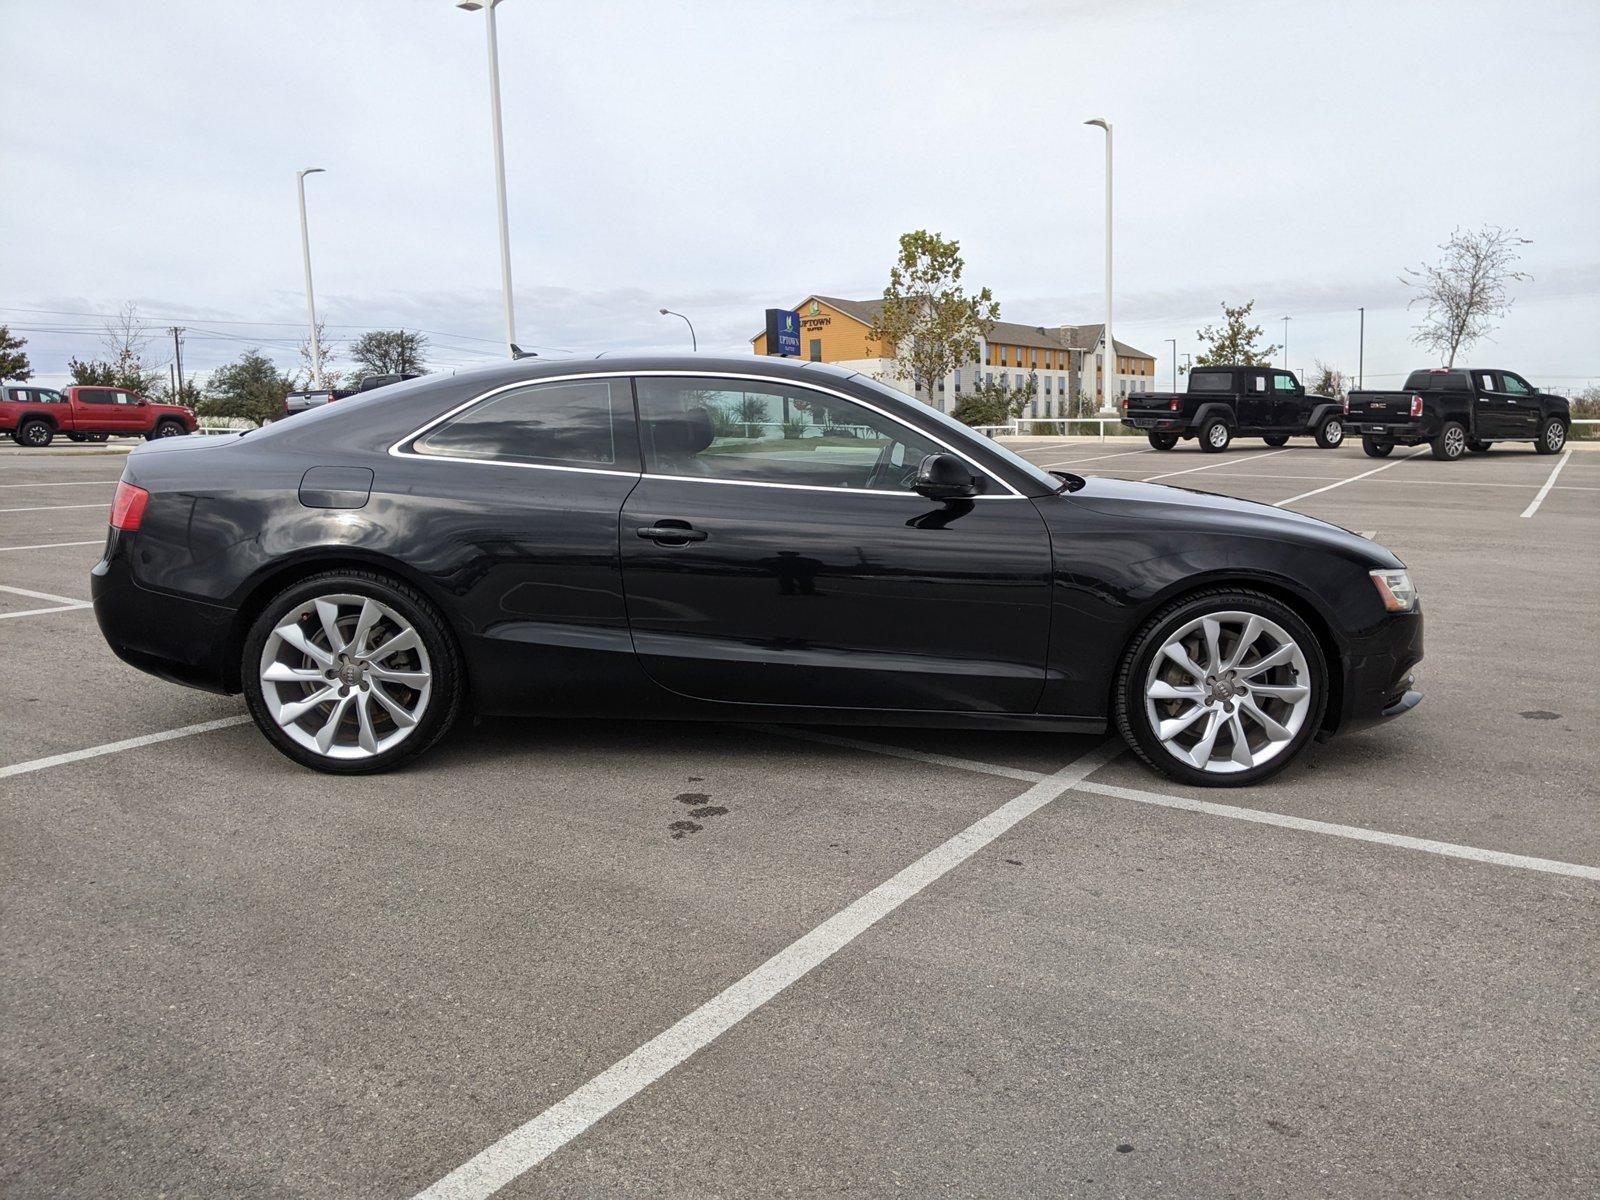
1286,321
1361,353
1173,342
1108,373
305,250
488,7
177,354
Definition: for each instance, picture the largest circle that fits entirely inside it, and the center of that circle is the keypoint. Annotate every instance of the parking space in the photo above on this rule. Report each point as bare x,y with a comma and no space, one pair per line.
926,962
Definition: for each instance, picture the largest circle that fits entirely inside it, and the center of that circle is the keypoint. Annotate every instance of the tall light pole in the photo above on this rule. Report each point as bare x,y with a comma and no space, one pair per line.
1173,342
1108,371
1286,321
488,7
305,253
694,343
1361,350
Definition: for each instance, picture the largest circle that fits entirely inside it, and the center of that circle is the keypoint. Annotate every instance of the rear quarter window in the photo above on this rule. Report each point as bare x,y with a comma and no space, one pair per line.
1212,381
570,424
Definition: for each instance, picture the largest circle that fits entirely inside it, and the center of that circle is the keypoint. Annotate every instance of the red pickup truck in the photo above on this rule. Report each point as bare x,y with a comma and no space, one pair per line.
33,416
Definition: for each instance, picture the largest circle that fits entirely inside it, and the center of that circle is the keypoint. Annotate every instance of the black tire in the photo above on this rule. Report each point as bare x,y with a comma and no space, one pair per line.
97,437
1451,443
166,429
1276,439
1373,448
35,434
1552,437
1215,436
1330,434
447,686
1129,702
1477,446
77,437
1163,441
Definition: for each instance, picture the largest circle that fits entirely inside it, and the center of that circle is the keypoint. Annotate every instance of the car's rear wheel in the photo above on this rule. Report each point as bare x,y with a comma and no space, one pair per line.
1551,438
1276,439
1222,689
1373,448
351,672
1330,434
1163,441
36,434
1451,443
166,429
1478,446
1216,435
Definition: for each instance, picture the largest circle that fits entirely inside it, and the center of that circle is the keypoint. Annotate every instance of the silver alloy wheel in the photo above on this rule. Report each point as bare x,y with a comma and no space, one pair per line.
1334,431
1227,691
345,676
1555,436
1455,441
1217,435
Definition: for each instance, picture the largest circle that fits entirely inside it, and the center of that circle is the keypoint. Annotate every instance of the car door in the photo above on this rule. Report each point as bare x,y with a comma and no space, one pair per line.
96,410
1493,414
1289,410
773,553
128,412
1255,402
1522,406
521,488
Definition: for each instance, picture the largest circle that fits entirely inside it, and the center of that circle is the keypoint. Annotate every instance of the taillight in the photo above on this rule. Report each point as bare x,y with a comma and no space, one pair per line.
1347,406
1172,405
127,506
1416,406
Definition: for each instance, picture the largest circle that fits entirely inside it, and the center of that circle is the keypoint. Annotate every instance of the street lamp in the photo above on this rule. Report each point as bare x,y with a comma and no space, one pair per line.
1173,342
488,7
1286,321
1361,351
1109,370
694,343
305,253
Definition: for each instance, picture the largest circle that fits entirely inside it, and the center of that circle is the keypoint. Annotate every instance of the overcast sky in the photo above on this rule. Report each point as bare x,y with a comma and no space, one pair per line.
721,156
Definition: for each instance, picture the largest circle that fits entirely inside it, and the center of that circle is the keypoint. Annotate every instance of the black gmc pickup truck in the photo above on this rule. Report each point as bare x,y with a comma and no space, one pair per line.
1225,402
1456,410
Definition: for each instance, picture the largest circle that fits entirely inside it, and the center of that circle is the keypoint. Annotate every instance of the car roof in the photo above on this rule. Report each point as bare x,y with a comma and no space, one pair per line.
608,363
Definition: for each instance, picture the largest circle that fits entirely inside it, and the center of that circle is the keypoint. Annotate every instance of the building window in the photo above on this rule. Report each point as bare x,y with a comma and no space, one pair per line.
816,349
1047,385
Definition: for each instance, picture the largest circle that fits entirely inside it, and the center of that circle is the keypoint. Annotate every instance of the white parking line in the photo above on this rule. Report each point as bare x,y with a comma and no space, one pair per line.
1352,479
937,760
1231,462
1409,481
1096,458
39,612
65,483
53,545
50,507
530,1144
31,595
1352,832
1548,484
149,739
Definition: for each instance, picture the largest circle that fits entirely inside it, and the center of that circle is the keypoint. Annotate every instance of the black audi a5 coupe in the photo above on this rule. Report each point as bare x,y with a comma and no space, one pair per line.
730,539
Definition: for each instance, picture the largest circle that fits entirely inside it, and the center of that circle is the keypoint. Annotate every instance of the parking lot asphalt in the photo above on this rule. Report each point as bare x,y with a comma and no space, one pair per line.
1374,975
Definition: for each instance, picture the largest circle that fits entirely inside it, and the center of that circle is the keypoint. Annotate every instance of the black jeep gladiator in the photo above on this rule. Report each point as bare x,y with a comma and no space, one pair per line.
1456,410
1225,402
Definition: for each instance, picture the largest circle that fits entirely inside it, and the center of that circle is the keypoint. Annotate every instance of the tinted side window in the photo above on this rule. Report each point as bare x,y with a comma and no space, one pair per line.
760,431
95,396
1515,385
570,424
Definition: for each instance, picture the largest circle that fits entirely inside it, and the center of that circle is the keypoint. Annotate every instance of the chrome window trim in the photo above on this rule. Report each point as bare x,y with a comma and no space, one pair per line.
397,450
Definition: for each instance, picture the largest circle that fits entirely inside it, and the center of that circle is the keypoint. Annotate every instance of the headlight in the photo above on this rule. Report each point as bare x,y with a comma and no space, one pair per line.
1395,590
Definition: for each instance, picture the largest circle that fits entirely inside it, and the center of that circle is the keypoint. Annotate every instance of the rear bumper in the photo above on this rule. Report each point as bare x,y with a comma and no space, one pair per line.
1155,424
185,641
1410,431
1379,675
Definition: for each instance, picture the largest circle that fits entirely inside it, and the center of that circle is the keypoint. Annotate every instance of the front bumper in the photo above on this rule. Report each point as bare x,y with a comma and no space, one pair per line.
178,639
1379,674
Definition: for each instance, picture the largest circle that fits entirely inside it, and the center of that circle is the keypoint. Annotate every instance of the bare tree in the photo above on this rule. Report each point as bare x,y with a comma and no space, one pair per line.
1467,291
328,351
125,338
1327,381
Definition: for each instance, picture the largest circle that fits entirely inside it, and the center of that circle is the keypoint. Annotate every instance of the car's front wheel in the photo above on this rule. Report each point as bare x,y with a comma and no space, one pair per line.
1551,438
1163,441
351,672
1222,689
1330,434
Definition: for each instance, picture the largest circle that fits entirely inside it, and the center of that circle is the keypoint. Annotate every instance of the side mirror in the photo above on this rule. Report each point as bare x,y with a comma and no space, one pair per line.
944,477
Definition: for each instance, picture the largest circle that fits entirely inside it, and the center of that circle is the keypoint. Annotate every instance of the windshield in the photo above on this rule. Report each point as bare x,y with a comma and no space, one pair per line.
1037,474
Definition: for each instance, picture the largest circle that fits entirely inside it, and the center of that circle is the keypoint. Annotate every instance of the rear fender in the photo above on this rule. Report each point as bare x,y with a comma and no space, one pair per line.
1206,412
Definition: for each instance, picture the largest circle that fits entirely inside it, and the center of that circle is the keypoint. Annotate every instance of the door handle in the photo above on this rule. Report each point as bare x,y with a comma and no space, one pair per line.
672,533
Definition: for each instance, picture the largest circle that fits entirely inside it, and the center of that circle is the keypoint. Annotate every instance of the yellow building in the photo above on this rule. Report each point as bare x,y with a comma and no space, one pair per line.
1066,360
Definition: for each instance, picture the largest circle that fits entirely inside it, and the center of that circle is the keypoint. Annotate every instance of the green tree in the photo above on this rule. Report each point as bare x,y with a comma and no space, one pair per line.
389,352
252,388
1233,343
126,371
995,403
14,363
189,395
928,322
